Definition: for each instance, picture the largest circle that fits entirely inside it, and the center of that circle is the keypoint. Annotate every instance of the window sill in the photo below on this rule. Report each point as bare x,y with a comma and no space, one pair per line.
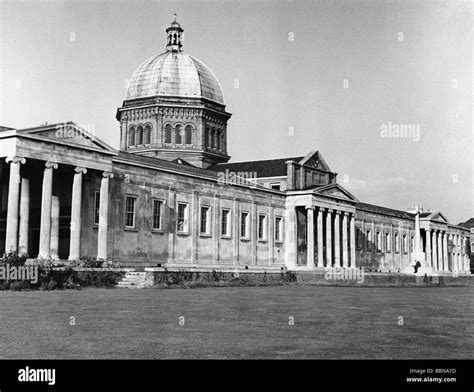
245,239
279,242
226,237
205,235
157,231
183,233
262,241
134,229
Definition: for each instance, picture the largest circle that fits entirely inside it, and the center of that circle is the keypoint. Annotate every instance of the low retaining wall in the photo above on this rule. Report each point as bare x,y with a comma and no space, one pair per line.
162,277
384,279
165,278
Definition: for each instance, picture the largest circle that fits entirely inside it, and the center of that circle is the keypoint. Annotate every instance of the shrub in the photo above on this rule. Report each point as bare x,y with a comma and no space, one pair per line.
13,258
105,279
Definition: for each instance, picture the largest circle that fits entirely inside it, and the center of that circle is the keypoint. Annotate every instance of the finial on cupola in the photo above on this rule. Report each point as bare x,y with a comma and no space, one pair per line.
174,36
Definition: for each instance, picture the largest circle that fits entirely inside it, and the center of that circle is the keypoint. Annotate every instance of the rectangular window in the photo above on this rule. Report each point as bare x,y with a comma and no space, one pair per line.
244,224
96,207
262,227
278,229
367,245
205,220
388,247
379,241
405,243
397,242
225,223
183,217
358,238
157,212
130,202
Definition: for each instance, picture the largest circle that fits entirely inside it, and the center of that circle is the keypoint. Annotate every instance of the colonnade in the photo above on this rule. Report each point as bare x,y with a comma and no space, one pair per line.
333,256
17,230
446,251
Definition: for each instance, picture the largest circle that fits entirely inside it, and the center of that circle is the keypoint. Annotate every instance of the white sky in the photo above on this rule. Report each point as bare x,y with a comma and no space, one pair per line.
424,79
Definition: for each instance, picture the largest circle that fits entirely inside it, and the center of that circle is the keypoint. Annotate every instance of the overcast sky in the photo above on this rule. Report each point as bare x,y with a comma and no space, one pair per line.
297,76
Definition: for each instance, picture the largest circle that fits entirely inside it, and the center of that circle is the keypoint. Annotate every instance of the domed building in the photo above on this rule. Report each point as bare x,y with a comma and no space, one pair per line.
174,108
169,198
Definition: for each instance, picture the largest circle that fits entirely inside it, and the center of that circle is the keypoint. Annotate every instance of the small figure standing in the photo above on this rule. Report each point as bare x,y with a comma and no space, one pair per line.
416,266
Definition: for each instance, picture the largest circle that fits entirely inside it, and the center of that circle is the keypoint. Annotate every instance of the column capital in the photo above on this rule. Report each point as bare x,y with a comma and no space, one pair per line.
15,159
310,207
338,212
321,209
107,174
330,210
80,169
51,164
346,213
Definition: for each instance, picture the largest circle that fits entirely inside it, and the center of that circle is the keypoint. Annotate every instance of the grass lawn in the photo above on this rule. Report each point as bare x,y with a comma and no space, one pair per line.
240,322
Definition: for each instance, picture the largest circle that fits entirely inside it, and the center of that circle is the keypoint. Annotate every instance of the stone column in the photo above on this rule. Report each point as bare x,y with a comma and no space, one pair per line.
103,216
434,244
328,239
320,238
456,254
353,241
337,240
467,261
450,253
290,236
54,242
445,252
345,253
429,260
76,203
310,237
439,248
11,239
24,216
46,200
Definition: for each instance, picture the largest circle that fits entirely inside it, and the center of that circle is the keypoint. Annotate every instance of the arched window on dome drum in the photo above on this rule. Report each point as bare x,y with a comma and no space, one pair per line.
147,134
218,139
188,131
131,136
168,133
213,138
139,135
207,136
178,135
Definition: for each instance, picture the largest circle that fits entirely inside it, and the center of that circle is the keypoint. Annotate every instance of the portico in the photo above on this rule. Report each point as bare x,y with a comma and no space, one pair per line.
442,244
45,170
322,228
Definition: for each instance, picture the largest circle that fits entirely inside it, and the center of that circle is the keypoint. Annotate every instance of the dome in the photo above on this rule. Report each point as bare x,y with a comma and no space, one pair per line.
176,74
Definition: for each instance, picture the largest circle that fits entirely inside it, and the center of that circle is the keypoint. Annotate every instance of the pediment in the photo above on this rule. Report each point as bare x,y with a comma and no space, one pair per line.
69,133
438,217
314,159
335,190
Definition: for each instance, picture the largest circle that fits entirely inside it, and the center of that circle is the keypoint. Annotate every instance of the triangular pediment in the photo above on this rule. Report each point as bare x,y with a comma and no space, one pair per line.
69,133
314,159
438,217
335,190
